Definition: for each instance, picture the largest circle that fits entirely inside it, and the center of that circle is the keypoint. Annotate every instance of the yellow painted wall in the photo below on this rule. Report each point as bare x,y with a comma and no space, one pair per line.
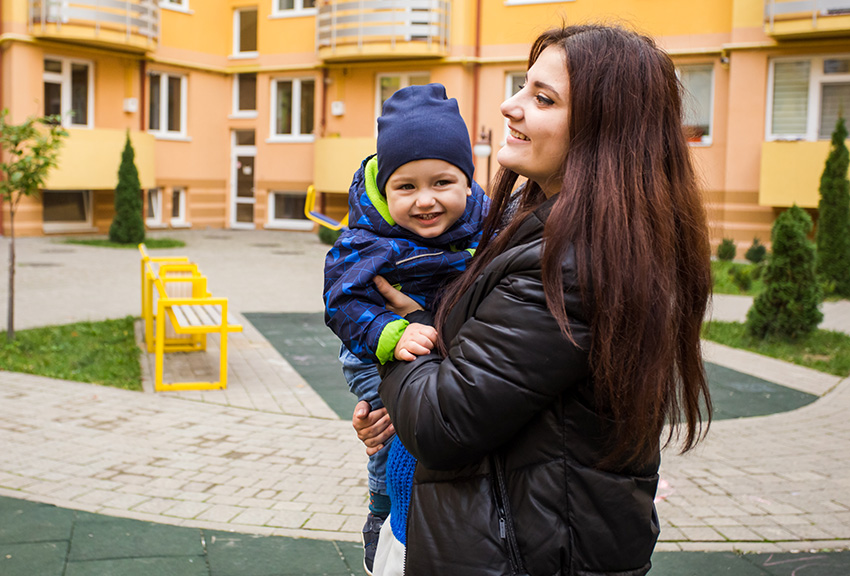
790,173
89,159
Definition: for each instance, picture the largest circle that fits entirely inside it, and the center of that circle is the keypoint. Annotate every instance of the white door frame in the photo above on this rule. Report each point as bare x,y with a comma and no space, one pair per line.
235,200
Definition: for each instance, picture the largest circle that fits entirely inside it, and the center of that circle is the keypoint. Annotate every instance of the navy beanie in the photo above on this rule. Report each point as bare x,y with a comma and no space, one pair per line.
419,123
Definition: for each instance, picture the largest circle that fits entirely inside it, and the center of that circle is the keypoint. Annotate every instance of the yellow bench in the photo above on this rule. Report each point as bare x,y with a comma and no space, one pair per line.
194,312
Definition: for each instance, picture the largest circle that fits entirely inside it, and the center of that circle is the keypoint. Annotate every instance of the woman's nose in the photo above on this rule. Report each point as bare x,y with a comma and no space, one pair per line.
510,108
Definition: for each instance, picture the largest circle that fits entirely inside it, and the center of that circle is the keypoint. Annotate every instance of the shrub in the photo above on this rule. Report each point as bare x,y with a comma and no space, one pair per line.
788,307
757,252
742,277
726,250
328,236
833,233
128,226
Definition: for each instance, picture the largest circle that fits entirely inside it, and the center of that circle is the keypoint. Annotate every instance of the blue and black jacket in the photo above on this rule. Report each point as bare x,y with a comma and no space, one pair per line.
374,244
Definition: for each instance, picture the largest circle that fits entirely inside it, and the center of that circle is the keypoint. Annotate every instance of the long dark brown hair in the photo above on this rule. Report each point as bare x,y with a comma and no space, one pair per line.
629,205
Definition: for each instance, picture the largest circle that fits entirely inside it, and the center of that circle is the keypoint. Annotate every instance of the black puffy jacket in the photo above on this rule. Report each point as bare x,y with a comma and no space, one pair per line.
508,441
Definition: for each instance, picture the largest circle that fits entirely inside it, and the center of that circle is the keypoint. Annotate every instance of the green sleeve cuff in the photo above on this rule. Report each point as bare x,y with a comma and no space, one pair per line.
390,336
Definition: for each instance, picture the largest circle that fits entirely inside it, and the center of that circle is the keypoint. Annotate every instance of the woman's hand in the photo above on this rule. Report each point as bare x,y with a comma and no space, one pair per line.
397,302
373,427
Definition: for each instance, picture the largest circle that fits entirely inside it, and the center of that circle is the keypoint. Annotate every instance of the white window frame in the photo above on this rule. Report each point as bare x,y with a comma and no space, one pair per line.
61,227
237,33
236,112
705,140
179,221
404,83
176,5
163,133
64,80
296,11
285,223
296,135
154,220
527,2
817,79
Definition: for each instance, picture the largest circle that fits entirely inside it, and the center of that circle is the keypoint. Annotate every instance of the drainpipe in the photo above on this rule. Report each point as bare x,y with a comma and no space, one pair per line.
326,80
142,78
2,203
476,71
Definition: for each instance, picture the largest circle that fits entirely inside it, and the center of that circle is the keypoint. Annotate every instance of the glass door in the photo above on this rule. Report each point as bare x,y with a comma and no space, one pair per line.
243,154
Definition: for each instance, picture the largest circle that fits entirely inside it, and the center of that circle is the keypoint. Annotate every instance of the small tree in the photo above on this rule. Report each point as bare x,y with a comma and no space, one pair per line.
757,252
833,233
788,306
726,250
30,150
128,226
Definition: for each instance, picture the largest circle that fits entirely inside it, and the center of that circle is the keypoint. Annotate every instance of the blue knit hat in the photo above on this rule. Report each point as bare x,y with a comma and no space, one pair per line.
419,123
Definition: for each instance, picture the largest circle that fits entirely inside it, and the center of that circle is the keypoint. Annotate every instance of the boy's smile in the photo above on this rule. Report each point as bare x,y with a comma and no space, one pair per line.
427,196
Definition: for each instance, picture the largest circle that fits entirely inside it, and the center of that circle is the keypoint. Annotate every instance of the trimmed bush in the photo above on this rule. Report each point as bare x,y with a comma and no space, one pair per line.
833,233
787,309
128,226
742,277
328,236
726,250
757,252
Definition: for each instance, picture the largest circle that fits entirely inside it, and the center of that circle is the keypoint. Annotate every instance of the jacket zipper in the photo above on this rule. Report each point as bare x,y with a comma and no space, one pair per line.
506,521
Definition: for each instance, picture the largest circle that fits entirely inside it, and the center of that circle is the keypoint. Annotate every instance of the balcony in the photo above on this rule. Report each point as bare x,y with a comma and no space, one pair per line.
790,173
129,25
791,19
382,29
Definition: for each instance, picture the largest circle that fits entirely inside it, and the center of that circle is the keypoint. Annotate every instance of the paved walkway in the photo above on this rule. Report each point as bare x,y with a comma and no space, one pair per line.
268,456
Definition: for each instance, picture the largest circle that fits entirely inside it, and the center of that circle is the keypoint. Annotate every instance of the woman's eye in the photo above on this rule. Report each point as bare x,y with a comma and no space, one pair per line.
544,100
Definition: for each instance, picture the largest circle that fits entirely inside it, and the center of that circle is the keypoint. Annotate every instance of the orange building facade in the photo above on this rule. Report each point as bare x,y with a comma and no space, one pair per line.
236,107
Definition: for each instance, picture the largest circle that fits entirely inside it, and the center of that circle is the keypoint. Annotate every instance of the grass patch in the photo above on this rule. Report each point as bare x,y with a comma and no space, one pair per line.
822,350
151,243
723,275
97,352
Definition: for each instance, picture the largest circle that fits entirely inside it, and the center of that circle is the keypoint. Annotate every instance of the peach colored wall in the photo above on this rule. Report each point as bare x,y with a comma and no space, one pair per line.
23,68
747,92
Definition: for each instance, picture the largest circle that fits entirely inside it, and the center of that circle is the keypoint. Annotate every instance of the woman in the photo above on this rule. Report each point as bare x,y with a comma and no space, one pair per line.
574,335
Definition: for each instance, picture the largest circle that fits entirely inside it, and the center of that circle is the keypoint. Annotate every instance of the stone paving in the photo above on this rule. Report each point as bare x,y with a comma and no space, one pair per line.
268,456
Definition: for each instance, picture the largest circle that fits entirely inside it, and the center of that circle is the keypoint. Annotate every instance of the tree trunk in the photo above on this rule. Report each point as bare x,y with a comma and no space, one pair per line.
10,318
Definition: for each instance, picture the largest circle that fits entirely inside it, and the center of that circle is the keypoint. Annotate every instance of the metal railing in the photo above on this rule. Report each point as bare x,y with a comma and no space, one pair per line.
130,17
360,22
798,9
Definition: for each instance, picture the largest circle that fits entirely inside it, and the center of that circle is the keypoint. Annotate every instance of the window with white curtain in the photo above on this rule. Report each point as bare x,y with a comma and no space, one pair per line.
698,101
806,96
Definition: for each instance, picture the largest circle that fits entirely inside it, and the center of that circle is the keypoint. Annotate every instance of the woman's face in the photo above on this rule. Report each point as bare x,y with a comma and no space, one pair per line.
538,122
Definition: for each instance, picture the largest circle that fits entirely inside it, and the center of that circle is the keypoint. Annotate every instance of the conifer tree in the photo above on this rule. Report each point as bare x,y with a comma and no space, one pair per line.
833,233
128,226
788,307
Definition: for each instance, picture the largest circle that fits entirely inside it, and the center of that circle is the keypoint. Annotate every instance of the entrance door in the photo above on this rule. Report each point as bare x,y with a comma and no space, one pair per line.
243,154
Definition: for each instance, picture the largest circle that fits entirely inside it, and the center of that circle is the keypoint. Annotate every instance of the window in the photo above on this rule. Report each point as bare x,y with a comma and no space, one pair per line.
806,96
180,5
698,101
389,83
178,207
69,91
292,112
245,33
154,212
286,210
167,112
286,8
245,95
67,210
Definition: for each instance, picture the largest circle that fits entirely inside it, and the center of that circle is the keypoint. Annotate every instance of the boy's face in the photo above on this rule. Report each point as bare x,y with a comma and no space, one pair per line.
427,196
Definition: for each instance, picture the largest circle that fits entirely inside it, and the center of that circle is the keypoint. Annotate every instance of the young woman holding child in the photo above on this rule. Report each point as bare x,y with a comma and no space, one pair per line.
573,336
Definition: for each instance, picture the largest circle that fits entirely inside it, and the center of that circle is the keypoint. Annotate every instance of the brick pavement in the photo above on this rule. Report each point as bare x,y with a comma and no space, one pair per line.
267,456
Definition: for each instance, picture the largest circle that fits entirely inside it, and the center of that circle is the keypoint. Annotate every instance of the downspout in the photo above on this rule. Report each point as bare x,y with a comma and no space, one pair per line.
324,117
476,71
2,203
143,69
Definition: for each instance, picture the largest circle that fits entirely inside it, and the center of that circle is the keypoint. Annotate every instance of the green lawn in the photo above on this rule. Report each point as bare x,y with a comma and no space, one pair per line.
150,243
822,350
97,352
724,281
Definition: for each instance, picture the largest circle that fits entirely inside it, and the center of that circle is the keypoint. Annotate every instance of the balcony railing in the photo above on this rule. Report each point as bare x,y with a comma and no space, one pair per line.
382,28
131,22
810,17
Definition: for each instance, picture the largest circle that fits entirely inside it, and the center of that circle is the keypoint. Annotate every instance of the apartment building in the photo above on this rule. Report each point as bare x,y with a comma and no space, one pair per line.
236,107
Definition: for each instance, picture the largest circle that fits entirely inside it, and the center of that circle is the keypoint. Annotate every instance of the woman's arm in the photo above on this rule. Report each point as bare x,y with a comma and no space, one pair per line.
507,363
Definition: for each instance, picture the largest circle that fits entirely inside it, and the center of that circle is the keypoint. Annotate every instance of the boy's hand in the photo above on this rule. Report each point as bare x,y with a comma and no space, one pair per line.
417,340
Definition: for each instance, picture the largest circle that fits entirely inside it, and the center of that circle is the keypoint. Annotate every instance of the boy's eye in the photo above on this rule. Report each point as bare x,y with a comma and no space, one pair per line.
443,182
404,187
